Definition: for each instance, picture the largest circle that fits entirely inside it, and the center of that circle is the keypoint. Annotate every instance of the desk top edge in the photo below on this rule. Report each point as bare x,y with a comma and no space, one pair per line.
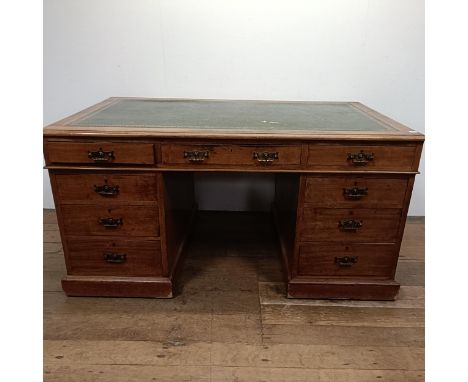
65,127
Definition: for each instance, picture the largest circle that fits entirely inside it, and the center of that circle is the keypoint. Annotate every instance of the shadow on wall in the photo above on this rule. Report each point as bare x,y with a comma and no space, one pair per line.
234,191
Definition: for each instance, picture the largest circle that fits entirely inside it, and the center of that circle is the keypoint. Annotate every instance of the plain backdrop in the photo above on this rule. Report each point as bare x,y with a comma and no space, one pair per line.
316,50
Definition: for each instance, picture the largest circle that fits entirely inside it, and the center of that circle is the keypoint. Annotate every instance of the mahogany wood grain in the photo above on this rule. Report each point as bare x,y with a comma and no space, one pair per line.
156,287
131,189
77,152
279,136
177,196
220,168
87,257
231,155
164,229
285,212
61,218
343,289
404,214
380,191
372,260
387,157
136,220
378,225
156,199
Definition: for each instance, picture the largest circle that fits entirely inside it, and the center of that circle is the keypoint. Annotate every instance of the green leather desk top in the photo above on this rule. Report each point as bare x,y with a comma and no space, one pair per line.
148,117
233,115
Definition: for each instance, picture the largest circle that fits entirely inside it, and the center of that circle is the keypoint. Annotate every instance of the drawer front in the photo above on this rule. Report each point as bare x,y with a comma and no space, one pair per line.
114,257
364,157
350,225
355,260
355,191
113,188
206,155
113,220
100,153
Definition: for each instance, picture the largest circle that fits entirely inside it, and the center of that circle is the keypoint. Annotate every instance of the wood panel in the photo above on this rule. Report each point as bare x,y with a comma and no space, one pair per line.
158,287
388,157
102,188
285,210
371,260
88,257
231,155
343,288
336,191
82,220
78,152
178,213
378,225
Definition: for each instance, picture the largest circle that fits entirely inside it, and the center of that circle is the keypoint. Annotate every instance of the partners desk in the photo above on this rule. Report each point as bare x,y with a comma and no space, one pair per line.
122,179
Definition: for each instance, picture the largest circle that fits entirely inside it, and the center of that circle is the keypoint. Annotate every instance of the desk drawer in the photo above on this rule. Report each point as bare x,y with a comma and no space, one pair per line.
350,225
355,260
234,155
114,257
355,191
110,220
104,188
362,157
100,153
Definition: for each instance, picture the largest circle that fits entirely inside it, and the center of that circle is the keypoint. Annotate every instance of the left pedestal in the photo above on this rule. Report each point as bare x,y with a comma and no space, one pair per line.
122,232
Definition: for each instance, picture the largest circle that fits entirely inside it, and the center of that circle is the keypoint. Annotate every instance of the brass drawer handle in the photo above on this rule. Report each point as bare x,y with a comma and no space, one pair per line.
265,157
100,155
115,258
106,190
346,261
111,222
349,225
196,156
354,193
361,158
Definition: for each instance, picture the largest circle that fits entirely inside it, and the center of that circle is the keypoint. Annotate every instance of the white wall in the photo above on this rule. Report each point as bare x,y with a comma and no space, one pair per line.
370,51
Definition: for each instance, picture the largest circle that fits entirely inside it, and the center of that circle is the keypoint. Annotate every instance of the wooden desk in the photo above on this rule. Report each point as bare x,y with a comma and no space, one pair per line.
122,179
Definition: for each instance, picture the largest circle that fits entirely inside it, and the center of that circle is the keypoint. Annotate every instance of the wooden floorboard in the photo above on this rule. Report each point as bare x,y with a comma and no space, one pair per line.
231,321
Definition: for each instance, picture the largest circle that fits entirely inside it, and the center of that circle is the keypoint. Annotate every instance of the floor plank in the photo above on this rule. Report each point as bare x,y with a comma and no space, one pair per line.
231,320
52,280
410,272
127,353
342,335
342,315
153,353
51,236
317,356
55,372
256,374
49,216
275,293
412,245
